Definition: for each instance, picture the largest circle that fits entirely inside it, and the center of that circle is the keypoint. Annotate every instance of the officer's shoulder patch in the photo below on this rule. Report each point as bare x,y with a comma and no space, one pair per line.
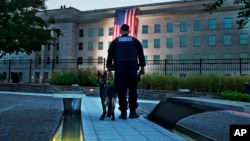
125,39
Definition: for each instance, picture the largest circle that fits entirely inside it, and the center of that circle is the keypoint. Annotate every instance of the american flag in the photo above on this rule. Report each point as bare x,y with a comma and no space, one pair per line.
125,17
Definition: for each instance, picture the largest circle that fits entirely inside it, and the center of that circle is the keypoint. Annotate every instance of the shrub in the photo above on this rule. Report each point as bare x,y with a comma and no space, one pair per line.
201,83
236,96
84,77
145,81
87,77
158,82
196,82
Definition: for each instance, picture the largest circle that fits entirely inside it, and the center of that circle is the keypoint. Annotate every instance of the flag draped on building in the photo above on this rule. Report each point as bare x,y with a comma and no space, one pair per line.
125,17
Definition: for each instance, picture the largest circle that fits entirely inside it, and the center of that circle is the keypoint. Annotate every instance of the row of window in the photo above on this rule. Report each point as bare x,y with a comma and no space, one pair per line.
197,26
91,32
170,27
198,56
197,42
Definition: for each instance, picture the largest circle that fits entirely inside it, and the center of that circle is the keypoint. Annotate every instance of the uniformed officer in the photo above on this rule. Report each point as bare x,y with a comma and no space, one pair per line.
126,58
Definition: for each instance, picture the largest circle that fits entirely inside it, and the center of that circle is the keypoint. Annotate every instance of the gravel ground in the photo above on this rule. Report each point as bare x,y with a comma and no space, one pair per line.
213,124
26,118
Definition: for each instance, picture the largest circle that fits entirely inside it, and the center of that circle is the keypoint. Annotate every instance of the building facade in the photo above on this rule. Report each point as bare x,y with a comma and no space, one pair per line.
173,30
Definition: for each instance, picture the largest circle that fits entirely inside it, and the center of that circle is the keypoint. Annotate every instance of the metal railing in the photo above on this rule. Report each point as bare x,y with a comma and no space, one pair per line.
35,69
200,66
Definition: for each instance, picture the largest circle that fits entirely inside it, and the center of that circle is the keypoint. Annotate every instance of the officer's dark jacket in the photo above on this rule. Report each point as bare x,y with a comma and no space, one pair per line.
124,53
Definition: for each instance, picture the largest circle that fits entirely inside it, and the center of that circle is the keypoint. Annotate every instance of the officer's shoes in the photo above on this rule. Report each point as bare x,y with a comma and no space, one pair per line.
134,115
123,115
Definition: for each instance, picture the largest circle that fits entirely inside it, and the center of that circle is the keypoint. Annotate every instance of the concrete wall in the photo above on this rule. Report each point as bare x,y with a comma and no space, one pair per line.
94,91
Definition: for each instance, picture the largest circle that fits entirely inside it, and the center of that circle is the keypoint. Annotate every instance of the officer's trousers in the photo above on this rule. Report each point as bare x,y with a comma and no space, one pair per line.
126,82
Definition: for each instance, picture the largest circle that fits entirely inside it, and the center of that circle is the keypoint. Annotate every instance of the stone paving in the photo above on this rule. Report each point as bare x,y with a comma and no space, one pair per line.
139,129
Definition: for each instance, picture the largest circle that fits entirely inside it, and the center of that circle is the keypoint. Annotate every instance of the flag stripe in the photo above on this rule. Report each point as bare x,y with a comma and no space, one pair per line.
124,17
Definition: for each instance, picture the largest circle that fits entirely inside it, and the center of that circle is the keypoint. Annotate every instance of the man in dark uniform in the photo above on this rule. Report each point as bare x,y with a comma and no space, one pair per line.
126,57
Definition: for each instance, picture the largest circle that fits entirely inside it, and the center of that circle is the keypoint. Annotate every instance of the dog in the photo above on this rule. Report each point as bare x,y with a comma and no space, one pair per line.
108,96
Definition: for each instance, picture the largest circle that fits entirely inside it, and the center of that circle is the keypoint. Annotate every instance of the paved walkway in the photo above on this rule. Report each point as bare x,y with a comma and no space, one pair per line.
139,129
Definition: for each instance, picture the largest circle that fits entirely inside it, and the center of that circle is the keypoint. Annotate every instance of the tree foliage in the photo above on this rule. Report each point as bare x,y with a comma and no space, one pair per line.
20,29
243,14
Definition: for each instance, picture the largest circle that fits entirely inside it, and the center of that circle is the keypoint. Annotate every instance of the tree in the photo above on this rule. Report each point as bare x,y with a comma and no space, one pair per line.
243,14
20,29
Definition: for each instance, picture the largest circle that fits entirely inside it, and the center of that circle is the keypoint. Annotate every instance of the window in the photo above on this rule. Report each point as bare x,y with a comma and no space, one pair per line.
197,41
227,23
227,57
183,58
4,75
170,42
13,60
100,60
243,39
227,40
21,60
90,60
183,41
100,45
100,32
90,45
197,25
211,40
144,29
211,24
156,59
183,27
244,57
57,46
111,31
145,43
157,43
90,32
80,46
48,60
157,28
170,27
197,56
57,59
211,57
169,58
39,60
81,33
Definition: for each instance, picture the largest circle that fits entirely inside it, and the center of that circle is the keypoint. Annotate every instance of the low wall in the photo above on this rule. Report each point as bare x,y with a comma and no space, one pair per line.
94,91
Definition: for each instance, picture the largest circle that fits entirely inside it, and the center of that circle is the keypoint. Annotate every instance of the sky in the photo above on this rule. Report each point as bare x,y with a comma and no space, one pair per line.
85,5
